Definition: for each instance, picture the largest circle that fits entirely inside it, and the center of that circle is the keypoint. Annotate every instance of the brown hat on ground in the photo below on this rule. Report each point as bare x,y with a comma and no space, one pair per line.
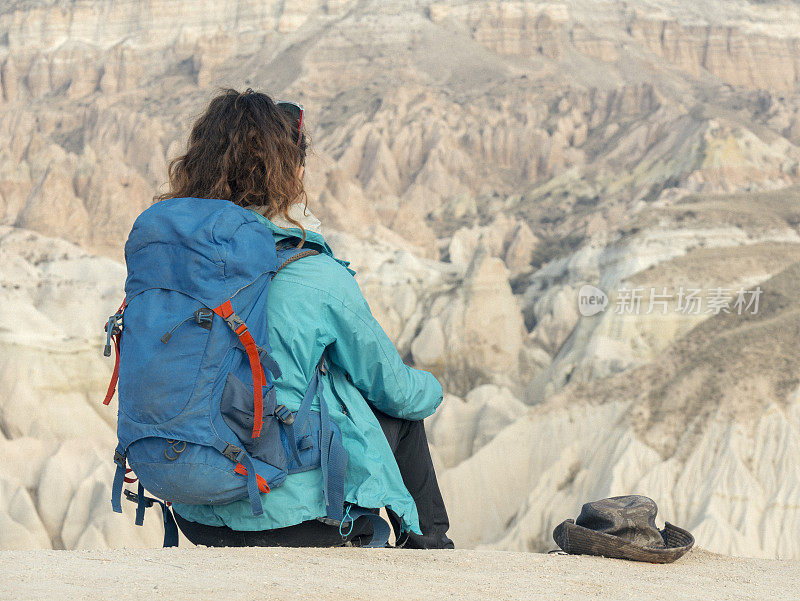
623,528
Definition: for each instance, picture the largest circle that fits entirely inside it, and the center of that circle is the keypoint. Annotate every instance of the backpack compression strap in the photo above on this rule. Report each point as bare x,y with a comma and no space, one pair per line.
143,502
225,311
113,332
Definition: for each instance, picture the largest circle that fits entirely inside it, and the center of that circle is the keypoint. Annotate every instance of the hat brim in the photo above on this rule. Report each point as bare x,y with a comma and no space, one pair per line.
577,540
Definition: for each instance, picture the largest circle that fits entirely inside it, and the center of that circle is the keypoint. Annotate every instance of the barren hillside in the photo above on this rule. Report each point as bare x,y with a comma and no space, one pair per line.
478,162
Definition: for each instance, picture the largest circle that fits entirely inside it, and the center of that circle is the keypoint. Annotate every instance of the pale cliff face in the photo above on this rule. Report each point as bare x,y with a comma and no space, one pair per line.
478,162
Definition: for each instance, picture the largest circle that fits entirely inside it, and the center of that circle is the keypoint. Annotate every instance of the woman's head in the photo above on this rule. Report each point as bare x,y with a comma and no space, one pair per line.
243,148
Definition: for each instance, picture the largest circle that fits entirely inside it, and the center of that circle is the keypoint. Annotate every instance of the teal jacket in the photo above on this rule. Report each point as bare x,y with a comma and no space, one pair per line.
315,305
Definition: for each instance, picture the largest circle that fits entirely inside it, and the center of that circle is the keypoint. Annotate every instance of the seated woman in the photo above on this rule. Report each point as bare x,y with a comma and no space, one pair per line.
251,151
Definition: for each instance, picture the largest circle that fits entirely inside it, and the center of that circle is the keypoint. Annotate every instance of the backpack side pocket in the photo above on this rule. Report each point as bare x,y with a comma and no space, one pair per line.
236,407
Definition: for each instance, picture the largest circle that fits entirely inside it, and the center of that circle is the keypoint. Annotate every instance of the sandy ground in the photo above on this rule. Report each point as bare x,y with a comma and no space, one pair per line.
350,573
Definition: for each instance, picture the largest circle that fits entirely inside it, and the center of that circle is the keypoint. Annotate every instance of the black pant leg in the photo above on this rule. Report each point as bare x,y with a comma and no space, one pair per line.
311,533
409,444
209,536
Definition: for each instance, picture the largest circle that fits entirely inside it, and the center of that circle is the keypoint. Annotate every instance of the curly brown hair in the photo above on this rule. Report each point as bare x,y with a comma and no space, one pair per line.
243,149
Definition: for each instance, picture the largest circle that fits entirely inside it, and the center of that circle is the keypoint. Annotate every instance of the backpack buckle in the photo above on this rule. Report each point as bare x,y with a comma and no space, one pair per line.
132,496
233,452
120,458
234,321
284,415
113,328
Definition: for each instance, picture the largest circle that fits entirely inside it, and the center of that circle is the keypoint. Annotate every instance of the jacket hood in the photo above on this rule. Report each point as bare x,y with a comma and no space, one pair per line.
314,240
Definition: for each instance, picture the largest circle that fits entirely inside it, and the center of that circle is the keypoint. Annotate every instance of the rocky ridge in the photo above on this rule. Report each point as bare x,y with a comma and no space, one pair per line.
478,162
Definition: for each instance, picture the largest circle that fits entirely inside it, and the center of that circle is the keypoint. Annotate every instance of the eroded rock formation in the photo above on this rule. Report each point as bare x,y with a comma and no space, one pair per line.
478,162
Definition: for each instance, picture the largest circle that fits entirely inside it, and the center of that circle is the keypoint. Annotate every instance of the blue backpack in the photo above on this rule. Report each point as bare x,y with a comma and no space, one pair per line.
198,420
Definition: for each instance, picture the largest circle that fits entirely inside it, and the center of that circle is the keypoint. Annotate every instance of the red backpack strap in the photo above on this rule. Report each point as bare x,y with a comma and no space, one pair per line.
225,310
113,332
262,484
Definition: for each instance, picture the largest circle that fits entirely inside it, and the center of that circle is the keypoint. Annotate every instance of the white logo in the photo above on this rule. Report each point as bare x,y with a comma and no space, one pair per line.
591,300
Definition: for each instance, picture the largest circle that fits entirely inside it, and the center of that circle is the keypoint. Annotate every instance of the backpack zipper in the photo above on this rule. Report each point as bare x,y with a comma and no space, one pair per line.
203,317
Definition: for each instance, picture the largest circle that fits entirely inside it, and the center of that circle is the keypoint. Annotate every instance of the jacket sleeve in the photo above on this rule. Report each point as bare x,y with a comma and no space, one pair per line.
368,355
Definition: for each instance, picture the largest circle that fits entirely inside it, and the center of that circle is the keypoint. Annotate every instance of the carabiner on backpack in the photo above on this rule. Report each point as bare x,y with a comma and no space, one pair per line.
114,332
